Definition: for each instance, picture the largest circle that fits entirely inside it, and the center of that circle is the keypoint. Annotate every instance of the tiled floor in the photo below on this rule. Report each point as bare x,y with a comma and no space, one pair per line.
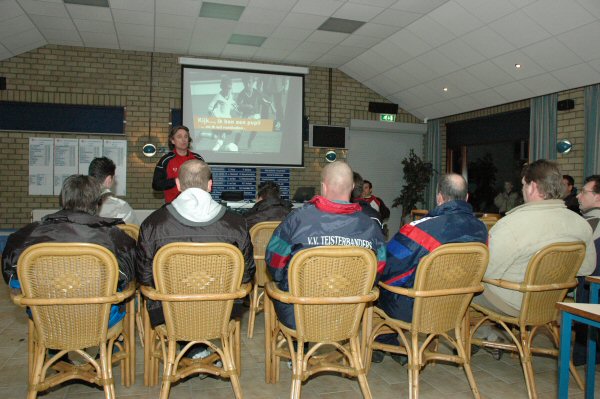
495,379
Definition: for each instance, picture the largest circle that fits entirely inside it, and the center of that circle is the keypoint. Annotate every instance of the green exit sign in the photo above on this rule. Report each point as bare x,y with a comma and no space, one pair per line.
387,117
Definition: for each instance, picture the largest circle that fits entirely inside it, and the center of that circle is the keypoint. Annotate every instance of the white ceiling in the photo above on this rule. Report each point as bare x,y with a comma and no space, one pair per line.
407,50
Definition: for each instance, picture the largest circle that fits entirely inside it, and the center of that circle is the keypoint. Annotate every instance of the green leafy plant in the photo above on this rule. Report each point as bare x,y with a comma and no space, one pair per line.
417,175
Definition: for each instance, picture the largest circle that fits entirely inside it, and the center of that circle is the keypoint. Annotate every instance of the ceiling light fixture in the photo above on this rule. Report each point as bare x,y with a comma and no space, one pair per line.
445,89
517,66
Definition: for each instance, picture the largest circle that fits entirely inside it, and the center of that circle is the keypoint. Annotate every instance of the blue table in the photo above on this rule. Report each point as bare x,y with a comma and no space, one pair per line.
586,313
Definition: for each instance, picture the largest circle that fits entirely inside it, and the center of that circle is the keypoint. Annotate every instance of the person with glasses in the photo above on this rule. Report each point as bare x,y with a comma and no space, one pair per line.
589,204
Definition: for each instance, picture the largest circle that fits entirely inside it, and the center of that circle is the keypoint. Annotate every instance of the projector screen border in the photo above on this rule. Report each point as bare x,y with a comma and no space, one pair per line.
252,66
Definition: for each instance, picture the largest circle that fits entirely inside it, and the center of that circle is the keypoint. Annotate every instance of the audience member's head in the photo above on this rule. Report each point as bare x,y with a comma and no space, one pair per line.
589,196
508,187
80,193
542,180
103,169
268,189
569,183
175,134
451,187
358,185
194,174
337,181
367,189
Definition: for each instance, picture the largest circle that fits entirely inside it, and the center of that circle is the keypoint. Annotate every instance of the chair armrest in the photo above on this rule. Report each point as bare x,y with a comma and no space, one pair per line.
247,288
509,285
17,299
127,292
286,297
153,294
410,292
398,290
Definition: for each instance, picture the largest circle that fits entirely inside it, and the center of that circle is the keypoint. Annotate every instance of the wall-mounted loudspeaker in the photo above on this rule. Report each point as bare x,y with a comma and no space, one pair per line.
383,108
565,105
2,83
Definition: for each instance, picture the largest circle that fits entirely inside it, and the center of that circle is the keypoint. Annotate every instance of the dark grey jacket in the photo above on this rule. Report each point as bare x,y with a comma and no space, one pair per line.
72,226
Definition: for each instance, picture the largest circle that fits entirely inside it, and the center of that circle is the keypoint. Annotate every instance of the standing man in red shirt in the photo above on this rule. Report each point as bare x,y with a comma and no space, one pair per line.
167,169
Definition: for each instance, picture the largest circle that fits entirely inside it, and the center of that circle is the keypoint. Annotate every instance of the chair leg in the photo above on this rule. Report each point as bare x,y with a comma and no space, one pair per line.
139,316
229,362
237,354
253,310
297,371
130,344
413,368
467,361
356,353
268,360
36,376
30,348
169,369
108,384
526,363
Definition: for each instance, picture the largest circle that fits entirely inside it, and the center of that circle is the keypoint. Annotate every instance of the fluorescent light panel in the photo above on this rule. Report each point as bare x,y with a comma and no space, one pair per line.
221,11
247,40
95,3
340,25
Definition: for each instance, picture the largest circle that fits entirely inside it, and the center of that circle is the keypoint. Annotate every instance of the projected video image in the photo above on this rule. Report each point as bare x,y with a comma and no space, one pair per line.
248,113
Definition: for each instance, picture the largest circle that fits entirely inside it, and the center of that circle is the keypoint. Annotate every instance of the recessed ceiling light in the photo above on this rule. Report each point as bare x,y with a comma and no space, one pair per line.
340,25
95,3
517,66
445,89
247,40
221,11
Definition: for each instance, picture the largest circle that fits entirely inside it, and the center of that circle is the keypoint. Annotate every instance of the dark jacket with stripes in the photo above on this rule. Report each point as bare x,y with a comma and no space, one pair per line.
319,223
450,222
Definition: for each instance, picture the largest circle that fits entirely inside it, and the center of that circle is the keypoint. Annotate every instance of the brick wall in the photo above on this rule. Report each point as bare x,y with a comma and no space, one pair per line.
75,75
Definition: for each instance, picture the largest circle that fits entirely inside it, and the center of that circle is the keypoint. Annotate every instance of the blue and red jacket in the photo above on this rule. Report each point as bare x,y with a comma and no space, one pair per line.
450,222
319,223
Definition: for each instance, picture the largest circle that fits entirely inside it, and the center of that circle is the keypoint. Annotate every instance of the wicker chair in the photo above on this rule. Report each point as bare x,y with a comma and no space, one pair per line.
550,273
490,219
260,234
69,288
329,288
445,282
417,214
132,230
196,283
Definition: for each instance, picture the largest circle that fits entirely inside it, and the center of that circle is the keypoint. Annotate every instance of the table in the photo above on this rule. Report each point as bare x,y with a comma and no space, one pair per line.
586,313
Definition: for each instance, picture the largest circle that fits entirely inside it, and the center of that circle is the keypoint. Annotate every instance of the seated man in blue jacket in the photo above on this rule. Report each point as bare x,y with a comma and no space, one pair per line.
451,221
327,219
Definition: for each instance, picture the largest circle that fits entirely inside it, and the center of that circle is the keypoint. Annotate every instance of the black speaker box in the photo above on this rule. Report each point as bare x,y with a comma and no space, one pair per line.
383,108
565,105
2,83
328,136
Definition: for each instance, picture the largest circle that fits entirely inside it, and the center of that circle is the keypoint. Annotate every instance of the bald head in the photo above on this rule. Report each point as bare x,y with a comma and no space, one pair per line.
337,181
194,174
451,187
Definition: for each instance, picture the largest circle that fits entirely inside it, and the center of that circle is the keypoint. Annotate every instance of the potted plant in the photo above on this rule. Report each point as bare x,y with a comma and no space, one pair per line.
417,175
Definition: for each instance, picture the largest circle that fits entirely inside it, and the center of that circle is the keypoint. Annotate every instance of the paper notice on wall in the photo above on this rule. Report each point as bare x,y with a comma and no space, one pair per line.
88,150
41,160
66,161
117,151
